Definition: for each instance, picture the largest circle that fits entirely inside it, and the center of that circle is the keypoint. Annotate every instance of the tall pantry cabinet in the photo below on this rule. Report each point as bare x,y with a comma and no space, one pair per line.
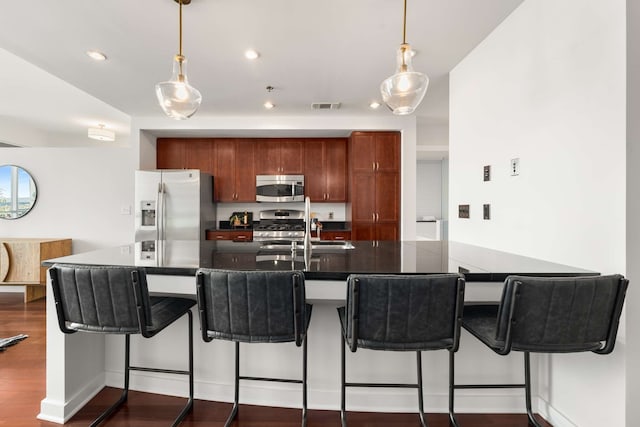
374,190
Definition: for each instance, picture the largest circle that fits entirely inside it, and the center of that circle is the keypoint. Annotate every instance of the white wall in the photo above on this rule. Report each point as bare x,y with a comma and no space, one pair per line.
80,195
548,87
633,211
429,188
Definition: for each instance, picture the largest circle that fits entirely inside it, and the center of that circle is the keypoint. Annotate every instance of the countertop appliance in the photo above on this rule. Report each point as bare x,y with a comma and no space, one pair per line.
279,188
173,205
280,225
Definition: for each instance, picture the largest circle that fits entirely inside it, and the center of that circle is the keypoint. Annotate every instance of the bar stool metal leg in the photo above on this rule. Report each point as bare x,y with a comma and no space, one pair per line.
343,414
423,421
304,381
125,391
236,397
452,417
527,386
189,404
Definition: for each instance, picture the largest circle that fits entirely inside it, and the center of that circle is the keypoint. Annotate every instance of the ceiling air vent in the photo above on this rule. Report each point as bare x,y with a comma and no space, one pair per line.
325,105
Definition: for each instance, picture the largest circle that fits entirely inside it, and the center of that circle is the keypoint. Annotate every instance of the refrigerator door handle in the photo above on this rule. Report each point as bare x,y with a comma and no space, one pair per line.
160,207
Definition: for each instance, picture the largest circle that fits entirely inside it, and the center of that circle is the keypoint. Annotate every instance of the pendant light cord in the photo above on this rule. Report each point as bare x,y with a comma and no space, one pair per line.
404,24
180,26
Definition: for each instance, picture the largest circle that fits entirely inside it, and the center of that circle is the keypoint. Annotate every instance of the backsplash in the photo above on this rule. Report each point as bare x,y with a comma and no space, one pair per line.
322,211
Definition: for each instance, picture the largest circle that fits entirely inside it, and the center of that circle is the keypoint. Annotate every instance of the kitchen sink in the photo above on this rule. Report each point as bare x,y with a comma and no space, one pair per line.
318,246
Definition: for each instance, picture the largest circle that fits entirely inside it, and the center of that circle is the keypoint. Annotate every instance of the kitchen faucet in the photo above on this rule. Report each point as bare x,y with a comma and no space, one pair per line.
307,226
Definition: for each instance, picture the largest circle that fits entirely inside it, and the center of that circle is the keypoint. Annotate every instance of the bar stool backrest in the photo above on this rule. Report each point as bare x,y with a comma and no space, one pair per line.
101,298
252,306
404,312
562,315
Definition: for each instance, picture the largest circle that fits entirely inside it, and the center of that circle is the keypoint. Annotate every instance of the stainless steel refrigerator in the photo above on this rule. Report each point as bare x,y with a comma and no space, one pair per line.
173,205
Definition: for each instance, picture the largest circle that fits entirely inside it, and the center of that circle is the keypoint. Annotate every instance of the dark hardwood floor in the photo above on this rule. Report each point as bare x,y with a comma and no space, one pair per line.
22,387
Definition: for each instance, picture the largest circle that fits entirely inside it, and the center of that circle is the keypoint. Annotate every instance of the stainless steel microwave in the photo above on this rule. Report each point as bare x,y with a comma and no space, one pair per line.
280,188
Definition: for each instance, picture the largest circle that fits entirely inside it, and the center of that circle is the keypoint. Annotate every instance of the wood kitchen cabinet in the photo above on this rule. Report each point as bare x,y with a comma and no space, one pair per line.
237,235
234,174
335,235
170,153
374,191
279,156
21,263
185,153
325,169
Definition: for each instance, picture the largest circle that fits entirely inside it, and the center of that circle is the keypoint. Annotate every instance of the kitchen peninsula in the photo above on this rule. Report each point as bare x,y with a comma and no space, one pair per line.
79,365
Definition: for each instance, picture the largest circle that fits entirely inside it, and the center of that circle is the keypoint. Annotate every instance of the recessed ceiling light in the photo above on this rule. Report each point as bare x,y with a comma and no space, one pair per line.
269,105
374,105
101,134
96,55
251,54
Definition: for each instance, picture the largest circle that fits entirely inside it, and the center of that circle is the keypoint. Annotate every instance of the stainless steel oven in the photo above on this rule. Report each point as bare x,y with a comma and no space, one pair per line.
280,188
280,225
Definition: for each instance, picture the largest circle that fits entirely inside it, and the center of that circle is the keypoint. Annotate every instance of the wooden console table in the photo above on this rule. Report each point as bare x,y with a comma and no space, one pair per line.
21,263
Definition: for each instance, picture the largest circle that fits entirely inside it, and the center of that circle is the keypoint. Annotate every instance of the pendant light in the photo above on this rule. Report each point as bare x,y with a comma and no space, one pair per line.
178,99
404,91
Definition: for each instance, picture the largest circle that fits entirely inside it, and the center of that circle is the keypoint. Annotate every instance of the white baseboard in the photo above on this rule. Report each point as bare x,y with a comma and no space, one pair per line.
553,416
57,411
288,395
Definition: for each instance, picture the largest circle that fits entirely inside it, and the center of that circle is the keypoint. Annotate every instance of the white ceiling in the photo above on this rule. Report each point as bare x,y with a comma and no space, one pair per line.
311,51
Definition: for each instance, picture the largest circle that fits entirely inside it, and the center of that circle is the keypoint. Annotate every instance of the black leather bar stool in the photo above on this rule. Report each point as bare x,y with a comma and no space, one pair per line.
546,315
401,313
255,307
115,300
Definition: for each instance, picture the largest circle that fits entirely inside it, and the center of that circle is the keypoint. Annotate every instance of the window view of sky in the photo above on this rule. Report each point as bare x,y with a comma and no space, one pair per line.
15,205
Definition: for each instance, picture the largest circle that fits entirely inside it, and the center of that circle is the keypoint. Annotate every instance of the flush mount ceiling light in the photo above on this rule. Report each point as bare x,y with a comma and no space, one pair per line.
404,91
96,55
178,99
374,105
251,54
101,133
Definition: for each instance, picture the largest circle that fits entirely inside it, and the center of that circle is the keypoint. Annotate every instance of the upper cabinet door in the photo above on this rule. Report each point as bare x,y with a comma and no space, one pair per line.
362,152
198,154
325,169
314,166
387,148
267,156
245,177
170,153
279,157
225,166
291,157
335,171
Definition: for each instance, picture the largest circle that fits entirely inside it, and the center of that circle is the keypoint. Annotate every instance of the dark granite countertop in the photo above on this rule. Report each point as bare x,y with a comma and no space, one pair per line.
328,263
326,226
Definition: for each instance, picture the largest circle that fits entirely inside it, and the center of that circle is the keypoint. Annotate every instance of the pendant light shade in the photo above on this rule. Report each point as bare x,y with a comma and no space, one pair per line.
178,99
403,91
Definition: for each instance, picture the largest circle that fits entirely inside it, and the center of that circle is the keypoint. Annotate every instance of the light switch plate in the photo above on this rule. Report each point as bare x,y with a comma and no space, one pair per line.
463,211
515,167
